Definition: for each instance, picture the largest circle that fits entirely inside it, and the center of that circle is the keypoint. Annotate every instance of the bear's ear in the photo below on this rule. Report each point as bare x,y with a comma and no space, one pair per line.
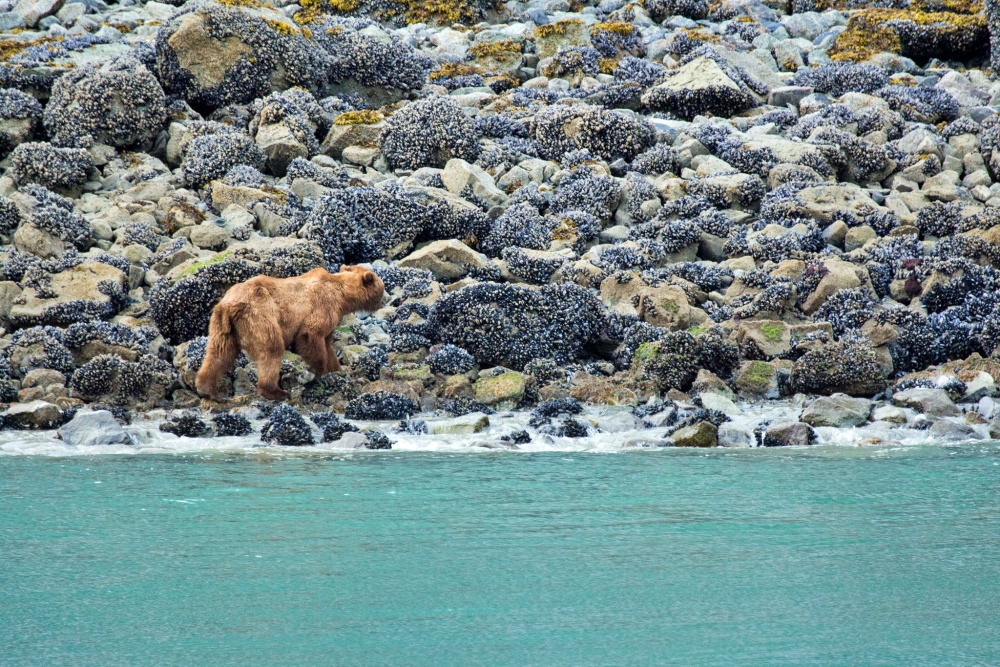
368,279
344,267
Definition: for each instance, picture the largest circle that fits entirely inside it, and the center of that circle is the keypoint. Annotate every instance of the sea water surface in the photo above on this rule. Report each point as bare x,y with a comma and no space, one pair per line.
830,555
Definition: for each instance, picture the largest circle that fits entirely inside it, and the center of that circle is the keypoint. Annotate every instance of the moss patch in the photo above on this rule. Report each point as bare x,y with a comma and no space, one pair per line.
194,268
772,332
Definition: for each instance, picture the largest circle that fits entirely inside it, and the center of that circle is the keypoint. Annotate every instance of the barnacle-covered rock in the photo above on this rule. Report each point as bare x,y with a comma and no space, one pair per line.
370,364
110,379
286,427
37,347
88,291
914,33
333,428
20,118
660,10
211,156
428,133
699,87
368,62
231,423
185,425
450,360
670,362
839,78
553,321
849,367
364,224
609,134
211,54
90,339
119,103
52,167
381,405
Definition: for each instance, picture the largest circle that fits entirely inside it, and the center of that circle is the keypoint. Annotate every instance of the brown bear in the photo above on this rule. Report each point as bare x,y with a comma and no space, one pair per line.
264,316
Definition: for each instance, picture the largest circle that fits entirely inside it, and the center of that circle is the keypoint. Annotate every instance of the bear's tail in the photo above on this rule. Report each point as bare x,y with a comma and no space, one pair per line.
221,352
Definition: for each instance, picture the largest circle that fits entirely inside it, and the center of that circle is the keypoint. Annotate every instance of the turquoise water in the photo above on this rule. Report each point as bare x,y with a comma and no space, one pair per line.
826,556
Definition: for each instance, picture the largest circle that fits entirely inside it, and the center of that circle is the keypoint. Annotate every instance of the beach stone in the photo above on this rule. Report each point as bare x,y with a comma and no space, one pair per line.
34,415
713,401
841,276
209,236
459,175
929,401
620,422
31,11
447,259
702,434
785,95
838,410
357,134
38,242
889,413
789,434
280,145
42,377
663,306
94,428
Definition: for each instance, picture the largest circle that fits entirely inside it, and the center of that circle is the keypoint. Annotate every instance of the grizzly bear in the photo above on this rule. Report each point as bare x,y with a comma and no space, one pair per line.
264,316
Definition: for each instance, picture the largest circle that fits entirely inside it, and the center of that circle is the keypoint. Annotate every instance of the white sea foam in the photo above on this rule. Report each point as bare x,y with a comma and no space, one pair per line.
150,440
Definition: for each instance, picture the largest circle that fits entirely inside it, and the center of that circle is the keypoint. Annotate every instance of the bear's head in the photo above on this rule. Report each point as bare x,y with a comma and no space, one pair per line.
365,288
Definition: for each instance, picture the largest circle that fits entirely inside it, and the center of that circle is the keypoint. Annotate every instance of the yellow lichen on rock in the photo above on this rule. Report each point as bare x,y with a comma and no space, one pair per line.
362,117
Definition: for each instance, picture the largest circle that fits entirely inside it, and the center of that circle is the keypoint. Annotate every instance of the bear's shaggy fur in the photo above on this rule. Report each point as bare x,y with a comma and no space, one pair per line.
264,316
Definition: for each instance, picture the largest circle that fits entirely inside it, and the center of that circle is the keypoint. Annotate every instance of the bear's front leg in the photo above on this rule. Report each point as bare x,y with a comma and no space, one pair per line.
332,362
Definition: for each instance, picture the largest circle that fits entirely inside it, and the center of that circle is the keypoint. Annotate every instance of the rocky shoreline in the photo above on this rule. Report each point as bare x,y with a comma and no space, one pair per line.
683,211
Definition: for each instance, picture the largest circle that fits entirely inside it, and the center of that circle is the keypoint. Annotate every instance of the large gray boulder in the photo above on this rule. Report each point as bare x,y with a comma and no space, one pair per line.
839,410
930,401
94,428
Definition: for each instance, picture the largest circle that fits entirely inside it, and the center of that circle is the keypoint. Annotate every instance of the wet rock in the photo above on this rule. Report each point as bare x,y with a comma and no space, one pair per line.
732,435
838,410
947,430
474,422
789,434
89,427
702,434
932,402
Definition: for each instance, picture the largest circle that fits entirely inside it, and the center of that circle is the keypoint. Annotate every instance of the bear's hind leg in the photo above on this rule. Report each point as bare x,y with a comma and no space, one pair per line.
267,351
312,348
